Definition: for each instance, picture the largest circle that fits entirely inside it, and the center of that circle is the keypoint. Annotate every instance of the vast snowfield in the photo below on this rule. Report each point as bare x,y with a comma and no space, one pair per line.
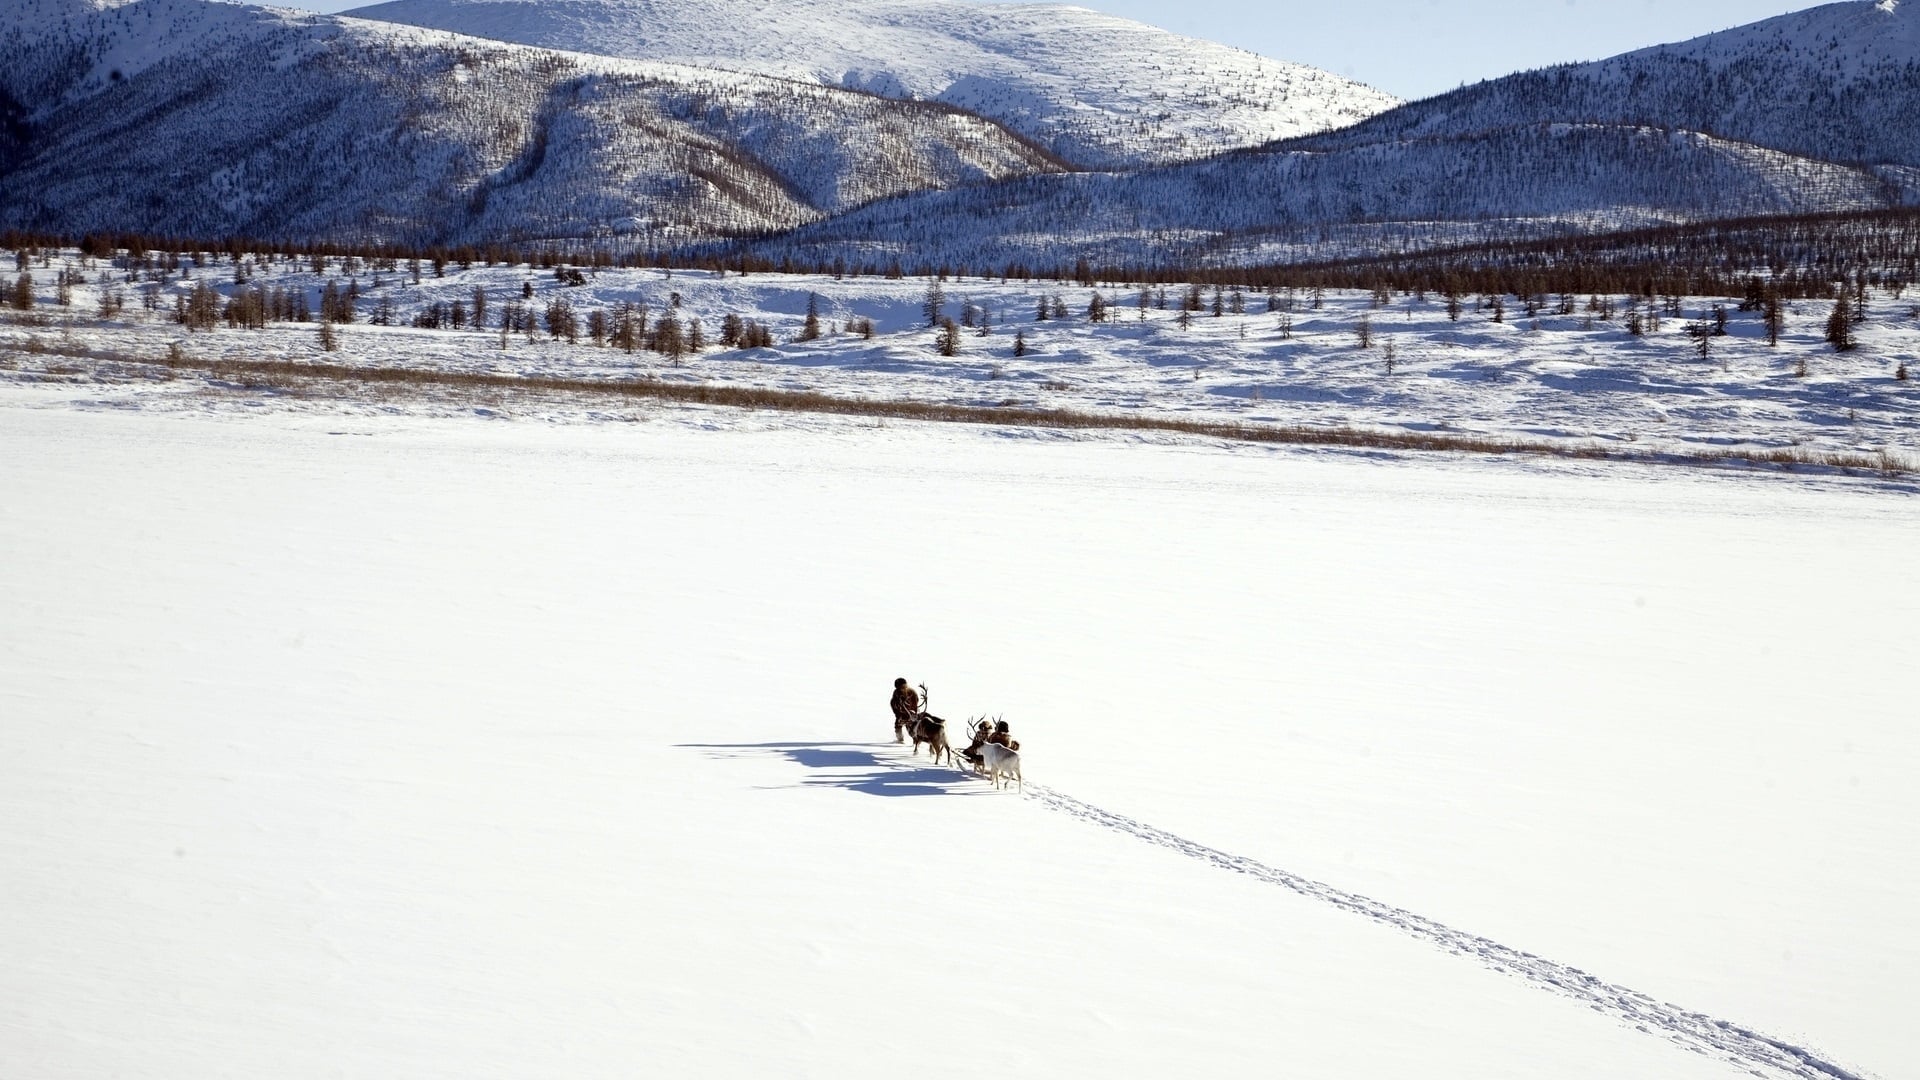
384,742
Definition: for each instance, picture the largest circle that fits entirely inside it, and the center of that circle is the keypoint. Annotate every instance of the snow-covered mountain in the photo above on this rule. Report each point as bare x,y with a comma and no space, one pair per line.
205,118
1804,113
1273,204
1839,82
1100,91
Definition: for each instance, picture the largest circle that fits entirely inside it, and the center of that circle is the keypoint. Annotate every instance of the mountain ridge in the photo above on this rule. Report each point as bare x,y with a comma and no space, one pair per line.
1836,82
209,118
1100,91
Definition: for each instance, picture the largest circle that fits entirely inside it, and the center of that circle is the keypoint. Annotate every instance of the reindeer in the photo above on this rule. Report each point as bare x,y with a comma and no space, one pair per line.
930,729
977,731
1000,762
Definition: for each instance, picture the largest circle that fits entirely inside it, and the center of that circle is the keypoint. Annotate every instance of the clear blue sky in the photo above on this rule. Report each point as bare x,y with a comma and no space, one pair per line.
1414,48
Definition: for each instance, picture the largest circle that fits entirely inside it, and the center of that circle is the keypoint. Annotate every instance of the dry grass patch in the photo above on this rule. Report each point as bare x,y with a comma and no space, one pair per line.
497,391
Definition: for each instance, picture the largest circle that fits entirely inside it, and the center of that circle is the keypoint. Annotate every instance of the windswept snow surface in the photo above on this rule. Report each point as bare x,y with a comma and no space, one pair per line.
410,746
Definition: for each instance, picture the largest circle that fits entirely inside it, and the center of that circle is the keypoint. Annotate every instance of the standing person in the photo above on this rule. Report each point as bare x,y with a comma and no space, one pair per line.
906,706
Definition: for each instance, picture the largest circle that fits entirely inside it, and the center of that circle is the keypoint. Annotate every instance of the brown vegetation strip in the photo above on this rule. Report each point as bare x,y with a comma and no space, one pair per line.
805,401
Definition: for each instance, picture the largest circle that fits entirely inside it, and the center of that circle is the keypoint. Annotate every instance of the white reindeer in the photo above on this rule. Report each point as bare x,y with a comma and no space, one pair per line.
1001,761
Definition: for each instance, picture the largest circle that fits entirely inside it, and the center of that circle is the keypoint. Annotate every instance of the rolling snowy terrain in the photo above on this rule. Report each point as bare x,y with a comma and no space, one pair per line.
369,743
1573,381
205,118
1100,91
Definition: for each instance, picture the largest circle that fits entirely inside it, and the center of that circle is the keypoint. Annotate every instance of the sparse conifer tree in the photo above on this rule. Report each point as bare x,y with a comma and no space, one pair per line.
810,330
561,322
1840,324
626,326
934,304
1702,335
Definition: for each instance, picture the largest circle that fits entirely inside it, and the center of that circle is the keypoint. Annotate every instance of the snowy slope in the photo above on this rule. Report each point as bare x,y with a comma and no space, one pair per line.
1839,82
1272,204
1800,114
369,745
212,119
1098,90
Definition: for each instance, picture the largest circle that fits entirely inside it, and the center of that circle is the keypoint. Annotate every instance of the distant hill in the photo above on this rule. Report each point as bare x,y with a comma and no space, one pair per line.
1804,113
1839,83
210,119
1100,91
1279,205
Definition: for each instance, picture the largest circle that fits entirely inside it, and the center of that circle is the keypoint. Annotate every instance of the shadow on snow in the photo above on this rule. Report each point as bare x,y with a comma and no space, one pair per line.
850,766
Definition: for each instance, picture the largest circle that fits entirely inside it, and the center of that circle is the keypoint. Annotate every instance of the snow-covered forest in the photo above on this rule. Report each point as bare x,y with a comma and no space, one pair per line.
1700,377
1834,82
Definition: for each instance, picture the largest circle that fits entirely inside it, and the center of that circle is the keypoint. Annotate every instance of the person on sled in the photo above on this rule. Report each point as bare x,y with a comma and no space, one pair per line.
1003,735
906,706
988,731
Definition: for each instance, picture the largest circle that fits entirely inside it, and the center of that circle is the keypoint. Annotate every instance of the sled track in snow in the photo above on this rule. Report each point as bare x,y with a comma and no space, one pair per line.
1698,1032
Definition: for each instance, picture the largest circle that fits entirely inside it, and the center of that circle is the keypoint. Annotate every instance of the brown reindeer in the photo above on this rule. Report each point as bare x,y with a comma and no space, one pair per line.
978,730
929,729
